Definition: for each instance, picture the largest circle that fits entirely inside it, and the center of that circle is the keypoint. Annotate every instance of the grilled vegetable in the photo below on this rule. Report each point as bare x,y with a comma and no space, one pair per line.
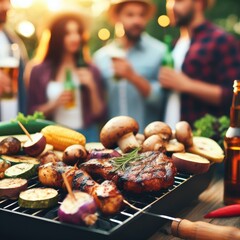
33,126
61,137
207,148
20,159
73,154
94,146
104,153
38,198
227,211
10,146
11,187
190,163
80,210
35,146
21,170
3,166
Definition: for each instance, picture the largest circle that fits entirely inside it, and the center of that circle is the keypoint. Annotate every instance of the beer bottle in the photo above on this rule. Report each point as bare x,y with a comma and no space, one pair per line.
81,61
69,86
232,151
168,58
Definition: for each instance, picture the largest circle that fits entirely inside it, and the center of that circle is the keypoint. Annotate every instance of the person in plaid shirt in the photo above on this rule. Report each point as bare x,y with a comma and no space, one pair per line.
211,64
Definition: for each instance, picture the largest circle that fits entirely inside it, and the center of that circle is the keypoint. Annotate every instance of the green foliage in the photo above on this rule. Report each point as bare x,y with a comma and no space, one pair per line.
212,127
25,119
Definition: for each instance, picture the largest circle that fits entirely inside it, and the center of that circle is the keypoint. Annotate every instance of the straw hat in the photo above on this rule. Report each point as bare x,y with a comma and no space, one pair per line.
209,3
116,4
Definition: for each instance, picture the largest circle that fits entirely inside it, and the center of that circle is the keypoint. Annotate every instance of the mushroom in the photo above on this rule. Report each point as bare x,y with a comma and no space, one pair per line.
10,146
140,138
73,154
184,133
120,131
174,146
153,143
158,128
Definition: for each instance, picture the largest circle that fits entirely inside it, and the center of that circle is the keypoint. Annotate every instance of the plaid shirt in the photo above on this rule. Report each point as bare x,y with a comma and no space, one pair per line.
214,58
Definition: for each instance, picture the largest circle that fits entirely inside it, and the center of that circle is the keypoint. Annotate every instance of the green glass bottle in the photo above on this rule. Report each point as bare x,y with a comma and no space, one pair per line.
69,86
81,61
168,60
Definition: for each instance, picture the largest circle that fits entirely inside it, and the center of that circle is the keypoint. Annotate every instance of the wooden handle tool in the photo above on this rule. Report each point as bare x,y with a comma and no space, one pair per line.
186,229
199,230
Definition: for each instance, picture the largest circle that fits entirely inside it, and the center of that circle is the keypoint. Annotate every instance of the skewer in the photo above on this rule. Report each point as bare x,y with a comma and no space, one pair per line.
25,130
69,189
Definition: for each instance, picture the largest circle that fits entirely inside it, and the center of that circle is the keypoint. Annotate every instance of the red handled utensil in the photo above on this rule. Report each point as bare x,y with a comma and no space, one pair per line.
227,211
199,230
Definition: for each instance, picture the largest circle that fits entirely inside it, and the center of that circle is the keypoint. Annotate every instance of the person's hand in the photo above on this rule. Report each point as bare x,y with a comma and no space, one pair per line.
122,68
5,83
86,77
65,97
173,80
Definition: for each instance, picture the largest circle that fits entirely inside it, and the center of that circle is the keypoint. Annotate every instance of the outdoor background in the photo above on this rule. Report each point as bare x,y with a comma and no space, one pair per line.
28,18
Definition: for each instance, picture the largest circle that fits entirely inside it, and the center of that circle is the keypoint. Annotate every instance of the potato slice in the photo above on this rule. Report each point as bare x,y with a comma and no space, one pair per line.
190,163
207,148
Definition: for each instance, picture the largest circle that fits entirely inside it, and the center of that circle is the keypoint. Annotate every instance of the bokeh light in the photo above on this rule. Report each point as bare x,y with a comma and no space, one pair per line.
26,29
54,5
21,3
104,34
163,21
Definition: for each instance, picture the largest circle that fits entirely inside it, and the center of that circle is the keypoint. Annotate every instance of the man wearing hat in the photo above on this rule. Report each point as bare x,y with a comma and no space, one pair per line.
210,63
129,64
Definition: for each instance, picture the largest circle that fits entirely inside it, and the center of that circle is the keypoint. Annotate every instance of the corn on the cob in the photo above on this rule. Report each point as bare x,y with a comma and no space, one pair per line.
61,137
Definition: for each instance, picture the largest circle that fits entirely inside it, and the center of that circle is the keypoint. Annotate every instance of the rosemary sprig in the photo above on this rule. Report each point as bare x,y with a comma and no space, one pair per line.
120,163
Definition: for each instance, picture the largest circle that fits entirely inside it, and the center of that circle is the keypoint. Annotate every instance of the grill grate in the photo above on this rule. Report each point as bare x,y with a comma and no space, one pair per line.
119,226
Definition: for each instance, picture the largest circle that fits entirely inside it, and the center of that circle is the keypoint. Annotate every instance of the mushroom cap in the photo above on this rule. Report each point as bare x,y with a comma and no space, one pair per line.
158,127
116,128
184,133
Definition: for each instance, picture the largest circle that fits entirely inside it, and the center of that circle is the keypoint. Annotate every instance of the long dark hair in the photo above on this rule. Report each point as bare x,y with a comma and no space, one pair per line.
55,47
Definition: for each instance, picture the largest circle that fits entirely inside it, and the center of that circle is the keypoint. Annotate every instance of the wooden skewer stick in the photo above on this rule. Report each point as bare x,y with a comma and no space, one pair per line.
69,189
25,130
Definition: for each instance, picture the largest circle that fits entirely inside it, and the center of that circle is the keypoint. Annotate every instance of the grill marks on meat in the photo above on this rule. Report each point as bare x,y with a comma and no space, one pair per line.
106,194
50,174
154,172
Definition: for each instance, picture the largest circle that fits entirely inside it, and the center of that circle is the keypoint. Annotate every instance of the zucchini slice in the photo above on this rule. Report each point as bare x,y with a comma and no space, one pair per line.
20,159
21,170
11,187
38,198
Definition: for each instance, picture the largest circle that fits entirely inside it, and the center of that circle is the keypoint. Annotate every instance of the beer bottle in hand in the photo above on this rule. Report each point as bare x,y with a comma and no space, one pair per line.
69,86
232,151
81,60
168,58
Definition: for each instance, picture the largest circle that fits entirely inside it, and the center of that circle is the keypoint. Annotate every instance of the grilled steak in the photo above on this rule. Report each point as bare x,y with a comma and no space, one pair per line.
153,172
106,194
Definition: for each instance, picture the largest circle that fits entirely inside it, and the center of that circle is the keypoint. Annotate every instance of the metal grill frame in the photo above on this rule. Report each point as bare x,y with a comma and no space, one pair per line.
128,224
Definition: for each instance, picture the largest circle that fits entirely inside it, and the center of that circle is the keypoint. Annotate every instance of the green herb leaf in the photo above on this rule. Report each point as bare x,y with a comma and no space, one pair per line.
212,127
25,119
120,163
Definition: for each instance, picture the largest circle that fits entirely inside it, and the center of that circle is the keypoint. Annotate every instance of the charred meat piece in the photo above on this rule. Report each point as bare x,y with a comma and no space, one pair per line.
153,172
50,174
106,195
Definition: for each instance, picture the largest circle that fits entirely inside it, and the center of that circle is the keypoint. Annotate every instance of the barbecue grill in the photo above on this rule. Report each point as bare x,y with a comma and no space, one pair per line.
20,223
